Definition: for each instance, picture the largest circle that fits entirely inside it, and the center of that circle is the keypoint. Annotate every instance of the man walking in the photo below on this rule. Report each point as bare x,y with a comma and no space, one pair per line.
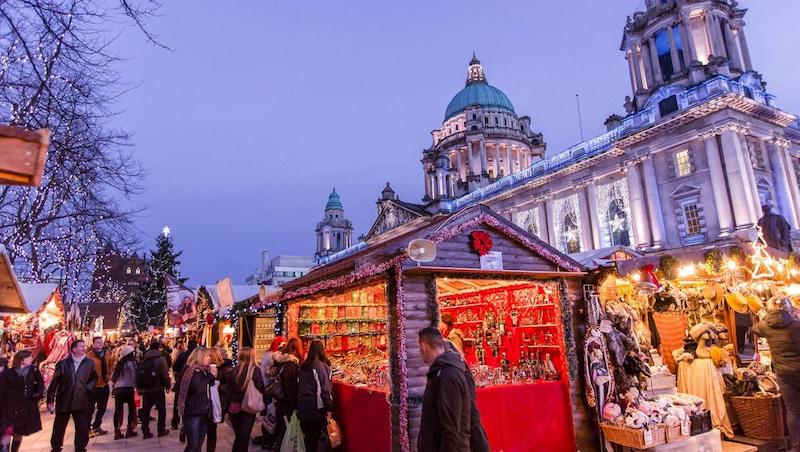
447,402
102,367
70,395
152,380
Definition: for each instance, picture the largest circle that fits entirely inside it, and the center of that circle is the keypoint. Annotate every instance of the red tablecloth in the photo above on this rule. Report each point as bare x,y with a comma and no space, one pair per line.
527,417
363,415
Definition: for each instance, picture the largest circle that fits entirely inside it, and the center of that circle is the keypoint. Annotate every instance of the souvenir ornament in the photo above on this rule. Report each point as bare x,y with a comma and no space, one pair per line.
481,242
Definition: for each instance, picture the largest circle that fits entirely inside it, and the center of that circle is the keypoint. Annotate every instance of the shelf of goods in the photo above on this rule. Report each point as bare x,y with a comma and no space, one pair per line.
512,333
264,331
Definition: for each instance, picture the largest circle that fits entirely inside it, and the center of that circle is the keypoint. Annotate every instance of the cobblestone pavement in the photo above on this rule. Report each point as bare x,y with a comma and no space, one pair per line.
40,442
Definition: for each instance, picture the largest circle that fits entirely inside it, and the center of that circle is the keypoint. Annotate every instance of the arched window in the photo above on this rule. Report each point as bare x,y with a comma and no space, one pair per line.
138,271
619,226
570,232
128,270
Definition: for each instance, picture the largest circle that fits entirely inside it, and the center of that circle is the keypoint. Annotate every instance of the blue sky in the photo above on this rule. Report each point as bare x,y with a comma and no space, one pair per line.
263,106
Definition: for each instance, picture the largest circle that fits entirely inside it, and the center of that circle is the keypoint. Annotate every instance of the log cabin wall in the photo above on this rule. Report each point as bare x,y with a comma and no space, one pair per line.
457,252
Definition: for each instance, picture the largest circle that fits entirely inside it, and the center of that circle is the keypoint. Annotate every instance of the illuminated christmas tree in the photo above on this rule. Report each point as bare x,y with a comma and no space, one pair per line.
149,304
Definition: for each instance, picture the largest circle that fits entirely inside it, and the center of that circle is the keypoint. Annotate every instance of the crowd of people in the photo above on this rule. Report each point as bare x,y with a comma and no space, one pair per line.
208,389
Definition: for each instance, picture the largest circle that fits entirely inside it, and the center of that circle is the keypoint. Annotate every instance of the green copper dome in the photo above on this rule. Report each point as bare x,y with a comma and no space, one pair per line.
477,92
334,202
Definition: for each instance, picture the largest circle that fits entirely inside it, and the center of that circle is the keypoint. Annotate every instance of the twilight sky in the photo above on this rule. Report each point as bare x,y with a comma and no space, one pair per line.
265,105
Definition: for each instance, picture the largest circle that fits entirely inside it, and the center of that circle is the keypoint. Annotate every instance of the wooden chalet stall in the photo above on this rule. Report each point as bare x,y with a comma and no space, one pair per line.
518,306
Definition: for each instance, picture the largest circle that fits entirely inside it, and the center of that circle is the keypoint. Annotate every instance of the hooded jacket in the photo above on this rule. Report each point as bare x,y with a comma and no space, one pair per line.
162,371
446,407
286,368
307,401
782,331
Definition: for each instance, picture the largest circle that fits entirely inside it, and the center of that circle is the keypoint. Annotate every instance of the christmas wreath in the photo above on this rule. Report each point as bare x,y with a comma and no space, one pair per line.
481,242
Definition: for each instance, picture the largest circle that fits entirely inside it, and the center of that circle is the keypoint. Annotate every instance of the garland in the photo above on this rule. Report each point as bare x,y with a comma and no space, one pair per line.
535,245
400,337
569,337
433,304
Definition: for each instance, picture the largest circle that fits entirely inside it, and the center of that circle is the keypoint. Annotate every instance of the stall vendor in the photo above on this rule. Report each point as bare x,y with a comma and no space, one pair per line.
451,333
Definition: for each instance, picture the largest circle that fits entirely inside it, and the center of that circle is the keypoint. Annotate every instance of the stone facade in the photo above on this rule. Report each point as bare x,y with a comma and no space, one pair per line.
334,232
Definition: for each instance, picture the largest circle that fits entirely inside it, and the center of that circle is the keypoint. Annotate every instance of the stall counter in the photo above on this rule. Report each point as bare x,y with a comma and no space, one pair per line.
363,416
535,415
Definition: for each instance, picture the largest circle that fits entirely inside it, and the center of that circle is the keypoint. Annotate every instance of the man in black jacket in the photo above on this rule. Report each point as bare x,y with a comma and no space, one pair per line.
177,368
154,392
70,395
447,402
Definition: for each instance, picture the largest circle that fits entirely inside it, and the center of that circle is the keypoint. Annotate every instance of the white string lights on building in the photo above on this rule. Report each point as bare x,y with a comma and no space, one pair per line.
613,223
567,221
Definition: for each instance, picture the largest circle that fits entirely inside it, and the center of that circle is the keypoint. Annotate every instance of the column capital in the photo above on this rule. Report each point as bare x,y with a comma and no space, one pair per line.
732,126
779,141
582,182
542,198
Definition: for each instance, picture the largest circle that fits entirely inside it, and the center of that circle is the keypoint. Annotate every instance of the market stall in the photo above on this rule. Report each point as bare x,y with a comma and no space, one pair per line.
514,298
671,352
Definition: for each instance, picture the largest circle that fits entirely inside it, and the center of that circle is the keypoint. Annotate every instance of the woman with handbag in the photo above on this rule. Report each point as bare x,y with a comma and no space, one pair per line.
123,379
219,358
314,402
21,387
194,402
287,365
244,390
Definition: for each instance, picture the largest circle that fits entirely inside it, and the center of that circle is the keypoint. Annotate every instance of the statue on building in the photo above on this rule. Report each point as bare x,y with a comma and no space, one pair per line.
775,229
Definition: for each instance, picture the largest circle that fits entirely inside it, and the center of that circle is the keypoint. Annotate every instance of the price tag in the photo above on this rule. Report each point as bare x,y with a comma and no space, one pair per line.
685,427
648,437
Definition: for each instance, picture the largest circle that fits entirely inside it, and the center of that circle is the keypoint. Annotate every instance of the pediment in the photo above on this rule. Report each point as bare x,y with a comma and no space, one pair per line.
391,216
685,190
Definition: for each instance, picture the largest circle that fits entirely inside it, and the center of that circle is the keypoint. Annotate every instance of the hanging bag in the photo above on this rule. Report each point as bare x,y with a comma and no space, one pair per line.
275,388
253,401
216,403
293,440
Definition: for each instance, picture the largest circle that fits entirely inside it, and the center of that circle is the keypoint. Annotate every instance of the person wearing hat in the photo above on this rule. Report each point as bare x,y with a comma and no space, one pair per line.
781,328
123,379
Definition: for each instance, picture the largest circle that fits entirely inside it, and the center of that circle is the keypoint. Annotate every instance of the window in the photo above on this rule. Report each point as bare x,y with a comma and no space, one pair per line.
663,52
505,122
138,271
683,164
496,121
691,218
572,234
756,153
128,270
474,116
668,106
486,121
617,219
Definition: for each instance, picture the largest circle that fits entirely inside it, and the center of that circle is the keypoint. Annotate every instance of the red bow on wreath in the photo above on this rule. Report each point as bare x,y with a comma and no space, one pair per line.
481,242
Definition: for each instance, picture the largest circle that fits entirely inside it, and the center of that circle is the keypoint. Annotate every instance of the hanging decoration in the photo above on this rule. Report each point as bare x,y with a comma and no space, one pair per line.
529,221
567,221
762,261
613,192
481,242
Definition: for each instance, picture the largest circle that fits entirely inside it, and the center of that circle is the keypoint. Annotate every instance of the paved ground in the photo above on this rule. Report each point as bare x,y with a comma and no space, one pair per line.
40,442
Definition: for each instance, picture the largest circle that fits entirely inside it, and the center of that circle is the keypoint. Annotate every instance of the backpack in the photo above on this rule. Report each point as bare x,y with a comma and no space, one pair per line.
146,376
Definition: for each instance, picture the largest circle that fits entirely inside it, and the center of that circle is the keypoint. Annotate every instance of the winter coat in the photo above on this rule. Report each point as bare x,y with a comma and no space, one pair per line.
180,361
456,336
71,390
235,388
286,368
478,441
162,371
20,401
266,366
446,407
102,380
307,403
782,331
126,377
198,402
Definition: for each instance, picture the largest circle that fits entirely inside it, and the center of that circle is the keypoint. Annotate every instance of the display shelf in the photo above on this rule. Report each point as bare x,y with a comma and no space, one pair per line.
328,336
542,305
541,325
472,305
542,346
326,321
306,306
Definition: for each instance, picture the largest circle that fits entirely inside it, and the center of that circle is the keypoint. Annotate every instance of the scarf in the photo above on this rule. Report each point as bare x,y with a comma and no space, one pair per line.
186,381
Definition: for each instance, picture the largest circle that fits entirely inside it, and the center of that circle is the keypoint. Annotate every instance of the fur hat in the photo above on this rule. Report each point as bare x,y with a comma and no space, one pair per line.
125,351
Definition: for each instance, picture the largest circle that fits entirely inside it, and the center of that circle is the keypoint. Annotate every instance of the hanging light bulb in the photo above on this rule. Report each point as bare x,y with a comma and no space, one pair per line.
636,277
732,265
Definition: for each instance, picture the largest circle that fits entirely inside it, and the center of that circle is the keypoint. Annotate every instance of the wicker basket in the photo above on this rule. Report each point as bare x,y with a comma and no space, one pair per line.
659,382
673,434
760,417
635,438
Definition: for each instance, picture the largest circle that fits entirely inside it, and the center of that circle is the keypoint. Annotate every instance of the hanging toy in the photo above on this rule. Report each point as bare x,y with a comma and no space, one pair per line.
648,283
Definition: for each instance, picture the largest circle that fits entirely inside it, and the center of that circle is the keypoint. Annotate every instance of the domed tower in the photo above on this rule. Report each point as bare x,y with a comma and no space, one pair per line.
683,42
481,140
334,232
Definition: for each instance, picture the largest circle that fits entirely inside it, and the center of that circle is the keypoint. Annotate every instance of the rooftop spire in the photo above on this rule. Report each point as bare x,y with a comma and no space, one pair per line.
475,71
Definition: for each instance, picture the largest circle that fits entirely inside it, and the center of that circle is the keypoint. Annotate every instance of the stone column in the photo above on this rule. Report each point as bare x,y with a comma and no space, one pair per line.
743,45
591,198
459,164
654,203
637,66
651,43
673,50
751,175
428,193
794,189
484,160
718,185
552,237
508,160
734,55
712,43
641,229
543,225
586,223
686,40
742,198
648,69
629,57
496,160
782,182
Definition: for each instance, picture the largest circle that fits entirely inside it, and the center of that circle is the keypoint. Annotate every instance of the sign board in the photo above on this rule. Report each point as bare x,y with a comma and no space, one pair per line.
225,291
493,260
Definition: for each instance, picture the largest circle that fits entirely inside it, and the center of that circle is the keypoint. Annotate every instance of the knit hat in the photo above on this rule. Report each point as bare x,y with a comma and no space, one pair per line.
125,351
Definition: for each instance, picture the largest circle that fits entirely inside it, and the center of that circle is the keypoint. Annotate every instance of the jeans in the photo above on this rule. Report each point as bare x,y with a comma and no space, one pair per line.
312,432
211,437
176,417
196,428
242,424
122,397
790,391
149,400
81,421
99,403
